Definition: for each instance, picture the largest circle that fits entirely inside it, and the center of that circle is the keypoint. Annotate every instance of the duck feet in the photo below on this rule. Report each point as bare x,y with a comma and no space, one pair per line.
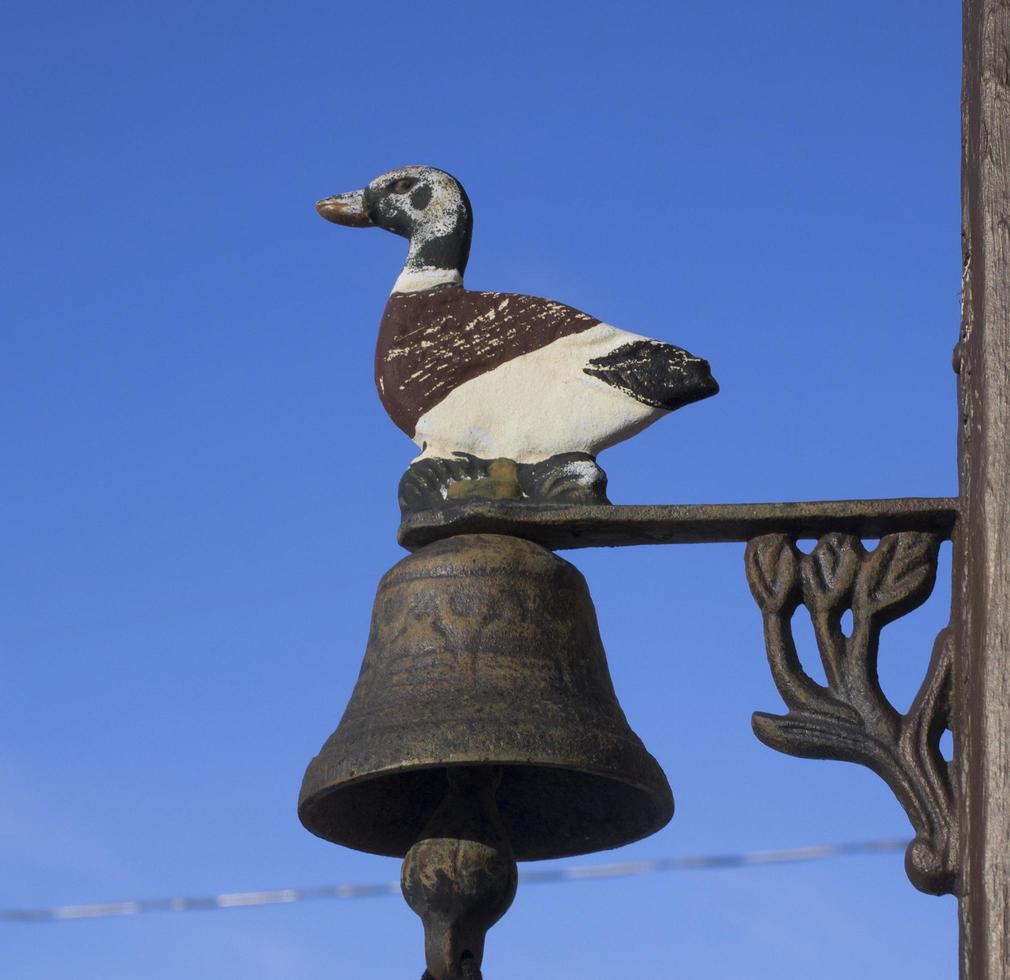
438,482
566,478
569,478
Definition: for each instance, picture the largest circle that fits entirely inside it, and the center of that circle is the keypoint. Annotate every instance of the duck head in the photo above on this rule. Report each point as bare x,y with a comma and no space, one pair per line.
426,206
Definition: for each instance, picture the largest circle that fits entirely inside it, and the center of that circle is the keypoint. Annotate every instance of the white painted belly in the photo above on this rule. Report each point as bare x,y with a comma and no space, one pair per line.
537,405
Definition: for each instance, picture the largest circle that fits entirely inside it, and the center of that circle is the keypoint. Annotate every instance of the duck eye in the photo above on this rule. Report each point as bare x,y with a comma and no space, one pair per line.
403,185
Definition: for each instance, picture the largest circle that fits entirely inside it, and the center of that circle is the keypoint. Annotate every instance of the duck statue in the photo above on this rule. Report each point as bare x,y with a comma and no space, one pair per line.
509,397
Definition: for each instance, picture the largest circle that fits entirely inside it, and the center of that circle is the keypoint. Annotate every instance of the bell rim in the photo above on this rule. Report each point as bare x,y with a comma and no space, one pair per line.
657,792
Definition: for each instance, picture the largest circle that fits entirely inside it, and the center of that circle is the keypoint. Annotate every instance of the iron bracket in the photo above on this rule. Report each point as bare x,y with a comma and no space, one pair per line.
849,718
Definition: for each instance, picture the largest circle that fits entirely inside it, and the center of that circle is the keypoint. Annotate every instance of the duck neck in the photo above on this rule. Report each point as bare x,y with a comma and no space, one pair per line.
416,279
436,257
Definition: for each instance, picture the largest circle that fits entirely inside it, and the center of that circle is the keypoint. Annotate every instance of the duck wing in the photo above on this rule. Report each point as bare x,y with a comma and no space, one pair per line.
432,342
655,374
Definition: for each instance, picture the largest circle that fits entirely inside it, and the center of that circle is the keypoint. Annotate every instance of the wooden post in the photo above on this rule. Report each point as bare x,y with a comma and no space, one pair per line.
982,544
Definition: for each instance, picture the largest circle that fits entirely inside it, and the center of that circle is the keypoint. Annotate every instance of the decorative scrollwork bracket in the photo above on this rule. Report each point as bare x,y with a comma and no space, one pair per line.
851,718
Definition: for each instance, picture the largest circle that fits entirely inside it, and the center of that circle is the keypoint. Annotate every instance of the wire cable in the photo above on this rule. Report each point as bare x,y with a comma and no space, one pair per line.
624,869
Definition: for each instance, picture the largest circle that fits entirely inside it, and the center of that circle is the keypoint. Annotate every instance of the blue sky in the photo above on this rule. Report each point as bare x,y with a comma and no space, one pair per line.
200,481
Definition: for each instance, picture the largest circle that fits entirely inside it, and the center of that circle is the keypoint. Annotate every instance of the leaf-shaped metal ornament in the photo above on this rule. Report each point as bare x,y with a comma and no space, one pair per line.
772,561
810,735
829,572
898,575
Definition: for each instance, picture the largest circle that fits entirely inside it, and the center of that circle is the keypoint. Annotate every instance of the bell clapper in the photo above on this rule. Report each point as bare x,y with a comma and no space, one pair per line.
460,876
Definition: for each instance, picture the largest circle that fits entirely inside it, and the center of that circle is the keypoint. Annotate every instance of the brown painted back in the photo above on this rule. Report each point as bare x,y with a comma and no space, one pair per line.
434,340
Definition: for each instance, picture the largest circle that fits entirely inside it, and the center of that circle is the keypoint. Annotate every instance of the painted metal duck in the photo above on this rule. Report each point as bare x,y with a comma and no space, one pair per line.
508,396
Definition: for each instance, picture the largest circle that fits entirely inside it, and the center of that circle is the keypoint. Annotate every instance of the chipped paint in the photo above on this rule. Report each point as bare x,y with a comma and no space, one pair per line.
495,375
431,342
415,281
537,405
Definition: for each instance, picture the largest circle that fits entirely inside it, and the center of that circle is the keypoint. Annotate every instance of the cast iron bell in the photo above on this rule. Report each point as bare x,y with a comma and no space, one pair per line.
484,650
483,729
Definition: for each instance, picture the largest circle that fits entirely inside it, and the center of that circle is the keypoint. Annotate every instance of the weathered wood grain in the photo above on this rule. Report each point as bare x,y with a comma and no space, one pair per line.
982,543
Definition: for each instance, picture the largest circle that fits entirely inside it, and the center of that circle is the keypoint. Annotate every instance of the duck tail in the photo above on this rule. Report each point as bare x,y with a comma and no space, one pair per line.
655,374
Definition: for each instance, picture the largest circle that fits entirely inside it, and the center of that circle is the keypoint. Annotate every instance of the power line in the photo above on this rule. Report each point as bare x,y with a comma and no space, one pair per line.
283,896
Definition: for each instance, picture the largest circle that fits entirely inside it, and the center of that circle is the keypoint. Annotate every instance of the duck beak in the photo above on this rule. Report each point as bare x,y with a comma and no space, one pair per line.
345,209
